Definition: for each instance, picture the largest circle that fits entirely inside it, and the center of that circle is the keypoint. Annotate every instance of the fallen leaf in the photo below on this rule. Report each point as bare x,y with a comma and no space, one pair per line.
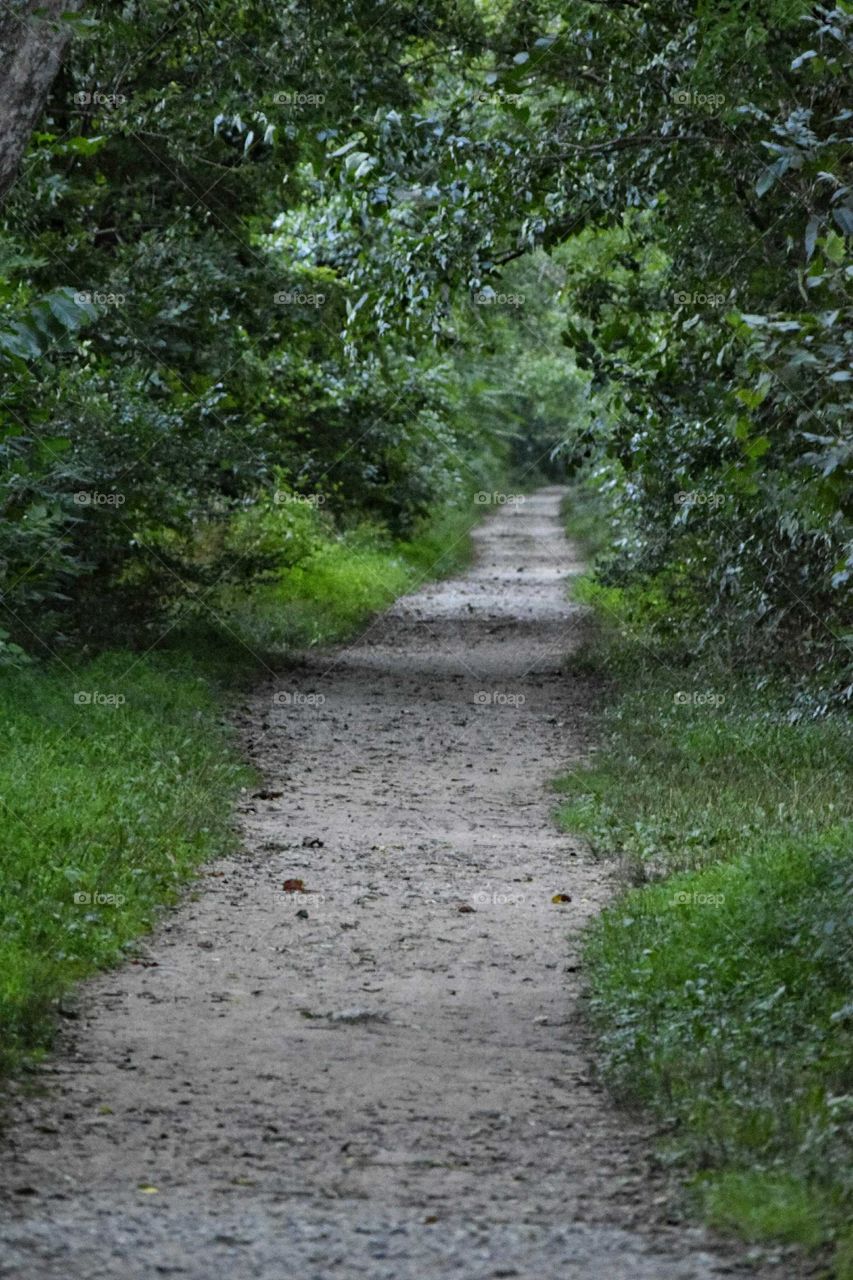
465,910
148,1190
562,897
294,886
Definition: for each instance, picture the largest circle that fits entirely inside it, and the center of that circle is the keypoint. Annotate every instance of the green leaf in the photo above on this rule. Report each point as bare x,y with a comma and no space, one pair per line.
772,174
757,447
342,151
811,237
55,444
833,246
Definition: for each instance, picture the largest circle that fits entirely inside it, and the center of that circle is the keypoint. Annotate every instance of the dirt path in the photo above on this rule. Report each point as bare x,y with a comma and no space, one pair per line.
369,1079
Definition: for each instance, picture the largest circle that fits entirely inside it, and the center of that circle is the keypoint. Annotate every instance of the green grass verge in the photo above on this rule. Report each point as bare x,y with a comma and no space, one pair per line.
720,980
117,774
347,580
116,777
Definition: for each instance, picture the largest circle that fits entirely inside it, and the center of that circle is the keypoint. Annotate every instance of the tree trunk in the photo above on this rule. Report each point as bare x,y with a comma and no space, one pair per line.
33,38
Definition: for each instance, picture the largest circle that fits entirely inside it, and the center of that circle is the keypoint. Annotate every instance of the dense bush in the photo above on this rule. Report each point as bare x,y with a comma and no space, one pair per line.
171,352
245,241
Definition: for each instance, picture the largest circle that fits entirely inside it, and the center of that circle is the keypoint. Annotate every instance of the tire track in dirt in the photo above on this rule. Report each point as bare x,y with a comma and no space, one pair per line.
384,1076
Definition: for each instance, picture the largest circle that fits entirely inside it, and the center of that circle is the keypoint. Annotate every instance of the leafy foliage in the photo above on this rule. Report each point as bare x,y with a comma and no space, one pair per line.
171,350
251,243
691,166
280,283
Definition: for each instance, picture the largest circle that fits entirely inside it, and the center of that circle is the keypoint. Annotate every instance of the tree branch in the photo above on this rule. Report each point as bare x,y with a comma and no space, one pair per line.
635,140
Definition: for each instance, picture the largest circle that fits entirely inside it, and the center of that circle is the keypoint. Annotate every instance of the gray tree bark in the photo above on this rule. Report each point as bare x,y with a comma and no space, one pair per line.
33,38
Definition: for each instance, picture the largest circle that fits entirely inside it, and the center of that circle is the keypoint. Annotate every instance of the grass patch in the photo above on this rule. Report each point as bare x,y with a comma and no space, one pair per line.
116,778
345,581
117,774
761,1207
720,980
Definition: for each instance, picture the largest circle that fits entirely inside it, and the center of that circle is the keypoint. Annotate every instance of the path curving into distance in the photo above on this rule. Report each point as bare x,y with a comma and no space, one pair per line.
369,1079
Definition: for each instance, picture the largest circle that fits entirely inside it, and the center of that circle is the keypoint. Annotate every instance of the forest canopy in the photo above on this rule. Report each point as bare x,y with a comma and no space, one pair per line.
375,255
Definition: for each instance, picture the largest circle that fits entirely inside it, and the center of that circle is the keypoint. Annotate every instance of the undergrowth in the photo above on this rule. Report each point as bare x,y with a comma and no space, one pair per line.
720,979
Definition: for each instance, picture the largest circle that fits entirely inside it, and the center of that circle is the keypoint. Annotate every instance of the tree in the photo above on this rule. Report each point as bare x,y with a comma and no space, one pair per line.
33,39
